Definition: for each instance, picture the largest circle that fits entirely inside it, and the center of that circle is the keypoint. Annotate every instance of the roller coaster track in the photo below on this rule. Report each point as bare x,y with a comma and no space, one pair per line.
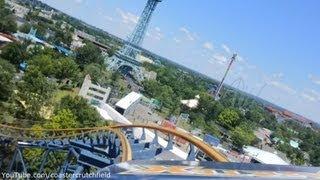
116,149
94,147
212,153
127,155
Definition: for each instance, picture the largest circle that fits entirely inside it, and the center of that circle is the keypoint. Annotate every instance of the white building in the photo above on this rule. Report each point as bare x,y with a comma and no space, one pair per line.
4,40
263,157
94,93
127,104
76,42
191,103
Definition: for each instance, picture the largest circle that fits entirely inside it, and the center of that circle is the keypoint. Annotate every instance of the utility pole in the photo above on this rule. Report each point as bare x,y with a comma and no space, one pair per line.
216,96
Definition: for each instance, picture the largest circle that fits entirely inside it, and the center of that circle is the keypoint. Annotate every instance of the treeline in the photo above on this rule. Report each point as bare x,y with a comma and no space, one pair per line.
27,100
54,32
308,139
234,114
7,20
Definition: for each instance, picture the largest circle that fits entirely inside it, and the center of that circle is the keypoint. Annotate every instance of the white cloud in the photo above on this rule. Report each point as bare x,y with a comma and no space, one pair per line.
220,58
308,97
279,75
108,18
208,45
176,40
282,86
127,17
156,34
311,95
314,79
226,48
190,36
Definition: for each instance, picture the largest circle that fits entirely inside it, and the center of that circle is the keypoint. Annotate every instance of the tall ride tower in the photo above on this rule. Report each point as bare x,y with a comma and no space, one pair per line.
217,93
125,58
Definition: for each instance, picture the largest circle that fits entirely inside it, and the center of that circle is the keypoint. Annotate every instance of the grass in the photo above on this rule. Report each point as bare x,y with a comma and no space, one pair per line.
59,94
46,112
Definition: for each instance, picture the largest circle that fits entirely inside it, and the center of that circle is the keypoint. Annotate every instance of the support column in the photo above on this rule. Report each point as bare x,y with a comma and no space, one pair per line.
191,154
44,160
155,140
170,143
143,135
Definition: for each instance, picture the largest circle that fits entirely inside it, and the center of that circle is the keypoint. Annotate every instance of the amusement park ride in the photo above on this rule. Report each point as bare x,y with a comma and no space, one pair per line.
126,58
115,150
118,151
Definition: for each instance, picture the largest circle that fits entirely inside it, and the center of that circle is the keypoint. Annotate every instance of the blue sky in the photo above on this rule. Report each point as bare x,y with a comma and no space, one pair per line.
277,41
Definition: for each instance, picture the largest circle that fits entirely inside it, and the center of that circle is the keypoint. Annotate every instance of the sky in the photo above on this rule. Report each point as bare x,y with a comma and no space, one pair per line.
277,41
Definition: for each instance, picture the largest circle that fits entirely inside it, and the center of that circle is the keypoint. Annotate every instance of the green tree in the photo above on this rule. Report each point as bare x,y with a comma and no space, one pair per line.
315,156
212,128
229,118
7,71
209,107
242,135
62,120
63,36
119,84
88,54
2,4
253,115
199,121
98,74
14,52
44,63
87,116
35,91
7,20
25,28
66,68
112,51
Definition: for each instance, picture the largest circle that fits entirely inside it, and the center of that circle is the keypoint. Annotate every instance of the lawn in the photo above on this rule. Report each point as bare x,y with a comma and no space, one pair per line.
59,94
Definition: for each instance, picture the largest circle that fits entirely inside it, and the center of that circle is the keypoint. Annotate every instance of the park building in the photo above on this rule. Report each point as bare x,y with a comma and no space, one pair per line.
263,157
191,103
5,39
93,93
127,104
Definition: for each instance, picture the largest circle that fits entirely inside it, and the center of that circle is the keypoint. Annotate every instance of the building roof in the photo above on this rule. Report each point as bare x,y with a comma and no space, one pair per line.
128,100
4,39
264,157
294,144
212,140
191,103
29,37
63,50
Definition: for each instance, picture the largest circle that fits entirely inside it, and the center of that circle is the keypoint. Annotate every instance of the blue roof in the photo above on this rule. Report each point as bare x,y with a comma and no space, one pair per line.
23,66
212,140
63,50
